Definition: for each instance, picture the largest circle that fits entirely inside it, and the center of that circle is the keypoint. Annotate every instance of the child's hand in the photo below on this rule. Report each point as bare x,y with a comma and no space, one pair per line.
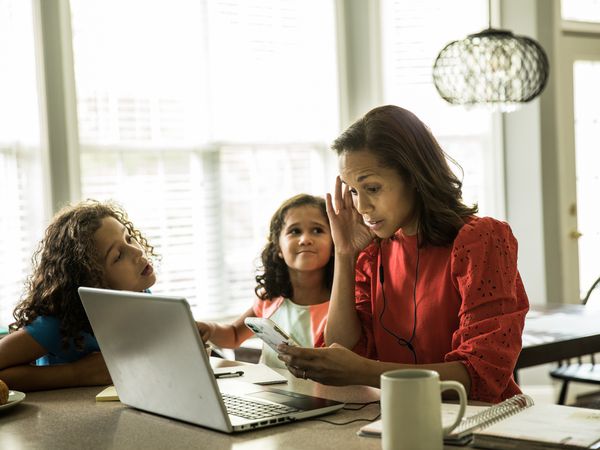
206,330
91,370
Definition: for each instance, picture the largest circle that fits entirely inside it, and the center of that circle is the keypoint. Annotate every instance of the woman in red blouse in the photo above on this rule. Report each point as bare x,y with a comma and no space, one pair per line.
419,280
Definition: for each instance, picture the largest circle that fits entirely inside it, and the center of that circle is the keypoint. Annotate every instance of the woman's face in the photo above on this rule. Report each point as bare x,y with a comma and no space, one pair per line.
381,196
125,265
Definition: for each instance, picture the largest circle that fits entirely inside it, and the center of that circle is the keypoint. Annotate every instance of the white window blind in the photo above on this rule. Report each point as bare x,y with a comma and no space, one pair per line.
20,166
413,33
201,117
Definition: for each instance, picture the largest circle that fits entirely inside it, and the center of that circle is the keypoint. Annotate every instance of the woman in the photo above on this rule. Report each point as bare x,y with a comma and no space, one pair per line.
419,280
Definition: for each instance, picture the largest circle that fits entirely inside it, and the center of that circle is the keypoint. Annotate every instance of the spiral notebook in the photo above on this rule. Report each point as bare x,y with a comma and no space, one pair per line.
517,423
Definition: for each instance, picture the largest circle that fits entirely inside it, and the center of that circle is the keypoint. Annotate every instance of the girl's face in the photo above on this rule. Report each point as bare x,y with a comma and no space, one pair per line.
125,265
383,199
305,240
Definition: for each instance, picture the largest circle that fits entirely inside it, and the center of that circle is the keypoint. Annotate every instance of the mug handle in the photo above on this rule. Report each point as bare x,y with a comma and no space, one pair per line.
462,395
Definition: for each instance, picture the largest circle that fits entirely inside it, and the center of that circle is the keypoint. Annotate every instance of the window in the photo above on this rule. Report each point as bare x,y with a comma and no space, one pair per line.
21,202
580,10
413,33
201,117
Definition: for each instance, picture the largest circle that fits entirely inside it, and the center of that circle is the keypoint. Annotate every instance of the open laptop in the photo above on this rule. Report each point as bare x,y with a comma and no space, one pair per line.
158,364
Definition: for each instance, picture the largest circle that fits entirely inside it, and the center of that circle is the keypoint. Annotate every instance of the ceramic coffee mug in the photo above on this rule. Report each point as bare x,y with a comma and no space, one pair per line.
411,409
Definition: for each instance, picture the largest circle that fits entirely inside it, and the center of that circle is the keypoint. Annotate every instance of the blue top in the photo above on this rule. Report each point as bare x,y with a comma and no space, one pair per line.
46,331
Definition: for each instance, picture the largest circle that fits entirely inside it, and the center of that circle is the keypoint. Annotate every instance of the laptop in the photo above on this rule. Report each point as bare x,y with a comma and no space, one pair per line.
158,364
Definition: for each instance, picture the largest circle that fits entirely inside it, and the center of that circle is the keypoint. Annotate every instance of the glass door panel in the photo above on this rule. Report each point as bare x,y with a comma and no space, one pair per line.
586,92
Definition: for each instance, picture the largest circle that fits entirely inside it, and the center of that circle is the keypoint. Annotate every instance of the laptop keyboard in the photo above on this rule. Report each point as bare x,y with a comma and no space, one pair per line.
248,409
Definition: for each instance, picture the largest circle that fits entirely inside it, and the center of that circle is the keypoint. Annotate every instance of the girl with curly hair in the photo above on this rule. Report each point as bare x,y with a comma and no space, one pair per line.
295,284
51,344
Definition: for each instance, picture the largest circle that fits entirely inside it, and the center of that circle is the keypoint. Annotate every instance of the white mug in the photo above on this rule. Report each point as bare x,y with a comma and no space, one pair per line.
411,409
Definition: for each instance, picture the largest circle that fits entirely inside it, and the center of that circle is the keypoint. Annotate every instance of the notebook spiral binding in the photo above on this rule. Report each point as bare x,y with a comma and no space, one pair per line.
494,414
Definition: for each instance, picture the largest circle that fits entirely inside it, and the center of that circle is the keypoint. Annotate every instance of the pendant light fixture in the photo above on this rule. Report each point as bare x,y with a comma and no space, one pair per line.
494,68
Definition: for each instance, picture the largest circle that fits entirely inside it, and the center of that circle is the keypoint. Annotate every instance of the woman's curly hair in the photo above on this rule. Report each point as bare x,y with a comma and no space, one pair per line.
274,279
67,258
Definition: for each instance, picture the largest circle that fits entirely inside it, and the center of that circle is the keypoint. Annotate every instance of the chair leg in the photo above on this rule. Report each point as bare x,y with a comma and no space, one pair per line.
563,392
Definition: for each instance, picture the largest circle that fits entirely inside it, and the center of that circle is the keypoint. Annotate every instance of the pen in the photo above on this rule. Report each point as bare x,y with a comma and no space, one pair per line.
237,373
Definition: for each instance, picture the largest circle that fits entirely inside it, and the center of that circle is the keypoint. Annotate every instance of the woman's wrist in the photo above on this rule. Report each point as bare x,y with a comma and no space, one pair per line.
347,257
371,373
345,263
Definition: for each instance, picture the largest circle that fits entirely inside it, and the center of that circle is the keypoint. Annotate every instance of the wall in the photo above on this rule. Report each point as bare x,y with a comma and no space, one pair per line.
523,160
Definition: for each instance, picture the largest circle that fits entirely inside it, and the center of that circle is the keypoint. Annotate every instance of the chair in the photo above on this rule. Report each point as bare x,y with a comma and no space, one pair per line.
579,372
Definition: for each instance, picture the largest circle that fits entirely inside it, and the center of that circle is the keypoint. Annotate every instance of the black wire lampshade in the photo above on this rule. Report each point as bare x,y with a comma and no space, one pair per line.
493,68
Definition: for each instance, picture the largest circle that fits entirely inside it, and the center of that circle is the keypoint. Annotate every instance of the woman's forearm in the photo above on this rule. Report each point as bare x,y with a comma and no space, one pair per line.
455,370
343,325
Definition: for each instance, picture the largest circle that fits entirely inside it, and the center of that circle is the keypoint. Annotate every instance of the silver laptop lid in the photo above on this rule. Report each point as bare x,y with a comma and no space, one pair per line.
155,365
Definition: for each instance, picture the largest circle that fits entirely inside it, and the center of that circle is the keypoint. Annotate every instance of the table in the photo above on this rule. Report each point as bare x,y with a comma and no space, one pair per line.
559,332
72,419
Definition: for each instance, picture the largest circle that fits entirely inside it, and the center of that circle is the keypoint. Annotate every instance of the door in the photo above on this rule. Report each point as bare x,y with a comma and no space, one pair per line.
579,70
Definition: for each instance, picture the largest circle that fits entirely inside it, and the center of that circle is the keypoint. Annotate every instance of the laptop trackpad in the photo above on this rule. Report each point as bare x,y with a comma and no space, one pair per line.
293,399
273,397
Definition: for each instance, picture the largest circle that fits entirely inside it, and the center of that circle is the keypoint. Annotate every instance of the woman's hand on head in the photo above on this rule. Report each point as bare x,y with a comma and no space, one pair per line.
349,233
334,365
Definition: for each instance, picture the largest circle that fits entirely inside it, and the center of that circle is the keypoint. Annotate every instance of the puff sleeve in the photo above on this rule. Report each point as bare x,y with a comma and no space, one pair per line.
493,308
365,270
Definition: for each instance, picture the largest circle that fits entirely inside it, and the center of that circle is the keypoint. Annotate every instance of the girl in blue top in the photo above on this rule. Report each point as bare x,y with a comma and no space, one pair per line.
51,344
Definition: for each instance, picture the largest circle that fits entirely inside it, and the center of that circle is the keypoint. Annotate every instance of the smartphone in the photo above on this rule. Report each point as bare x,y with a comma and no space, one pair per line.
269,332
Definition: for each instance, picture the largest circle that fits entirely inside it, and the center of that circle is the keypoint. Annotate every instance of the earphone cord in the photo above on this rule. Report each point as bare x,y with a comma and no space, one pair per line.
401,340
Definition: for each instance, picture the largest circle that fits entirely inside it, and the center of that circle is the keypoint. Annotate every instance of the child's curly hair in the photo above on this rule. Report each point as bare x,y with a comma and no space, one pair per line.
67,258
274,281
